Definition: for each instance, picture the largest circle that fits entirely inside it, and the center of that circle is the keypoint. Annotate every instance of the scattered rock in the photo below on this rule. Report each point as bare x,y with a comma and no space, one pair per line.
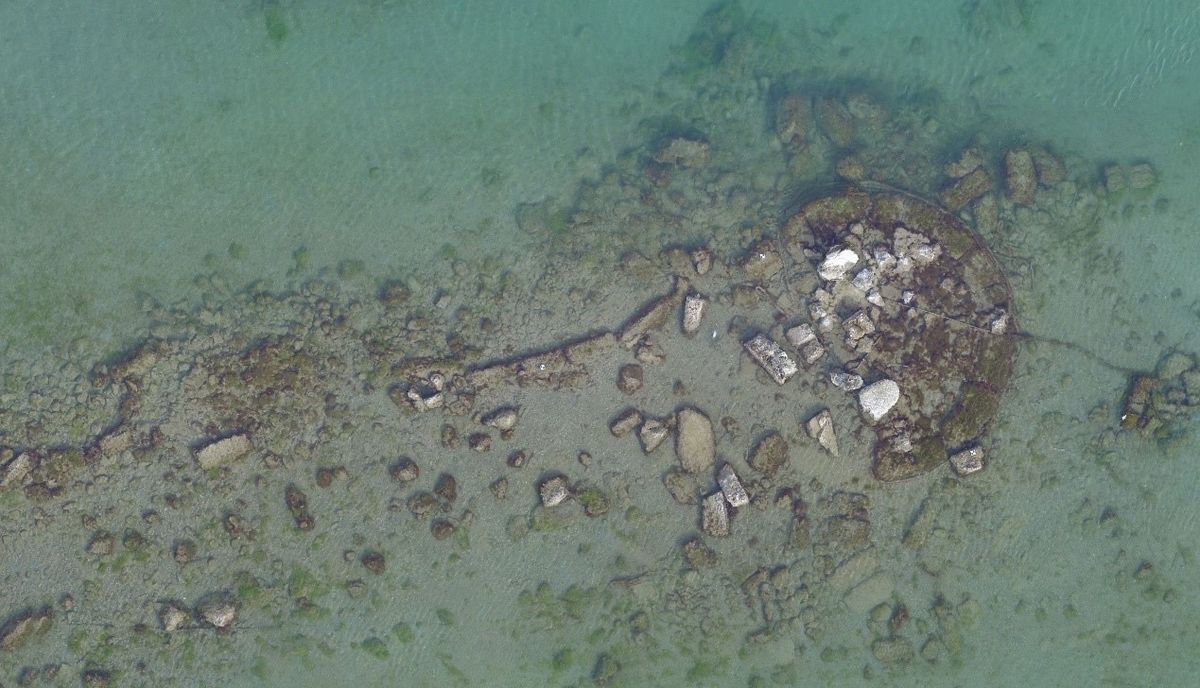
405,470
762,261
699,555
974,185
441,529
702,260
449,437
892,651
812,352
770,454
16,468
967,461
684,487
693,313
503,419
731,487
101,544
173,616
1021,176
837,263
835,121
800,335
517,459
858,325
629,378
499,488
554,491
684,152
1114,179
714,515
820,428
219,610
793,118
446,487
1050,170
606,670
878,398
373,561
847,382
652,433
695,444
773,359
325,476
422,504
480,442
184,551
652,316
223,451
1141,176
648,352
595,502
24,626
969,161
625,423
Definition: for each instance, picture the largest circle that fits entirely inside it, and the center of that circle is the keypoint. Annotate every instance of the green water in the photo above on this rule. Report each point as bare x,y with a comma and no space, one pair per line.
161,163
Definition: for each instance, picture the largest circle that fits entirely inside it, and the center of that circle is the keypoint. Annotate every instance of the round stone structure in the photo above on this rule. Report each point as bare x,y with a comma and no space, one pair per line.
925,305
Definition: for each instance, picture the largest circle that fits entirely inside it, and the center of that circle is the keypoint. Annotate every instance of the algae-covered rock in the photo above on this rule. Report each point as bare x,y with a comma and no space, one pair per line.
24,626
770,454
971,416
892,463
695,444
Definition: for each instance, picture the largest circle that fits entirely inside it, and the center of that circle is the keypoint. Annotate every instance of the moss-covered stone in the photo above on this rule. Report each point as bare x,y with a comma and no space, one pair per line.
770,454
976,408
892,464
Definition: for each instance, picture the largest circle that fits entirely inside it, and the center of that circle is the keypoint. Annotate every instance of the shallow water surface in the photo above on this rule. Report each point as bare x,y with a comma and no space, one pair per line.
399,343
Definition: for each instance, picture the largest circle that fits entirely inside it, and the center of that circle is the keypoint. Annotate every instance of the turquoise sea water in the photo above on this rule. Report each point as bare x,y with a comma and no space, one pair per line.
161,163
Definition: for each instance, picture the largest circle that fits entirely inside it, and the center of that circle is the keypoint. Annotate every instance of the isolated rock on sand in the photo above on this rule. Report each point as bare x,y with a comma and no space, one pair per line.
695,444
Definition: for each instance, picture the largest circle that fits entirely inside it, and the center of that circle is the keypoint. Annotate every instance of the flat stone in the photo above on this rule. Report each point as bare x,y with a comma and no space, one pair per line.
554,491
16,469
800,335
1141,176
223,451
652,433
1021,176
967,461
714,515
770,454
695,444
19,629
503,419
878,398
847,382
874,590
651,316
625,423
812,352
858,325
820,428
693,312
172,616
837,263
731,487
702,260
773,359
630,378
892,651
219,610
